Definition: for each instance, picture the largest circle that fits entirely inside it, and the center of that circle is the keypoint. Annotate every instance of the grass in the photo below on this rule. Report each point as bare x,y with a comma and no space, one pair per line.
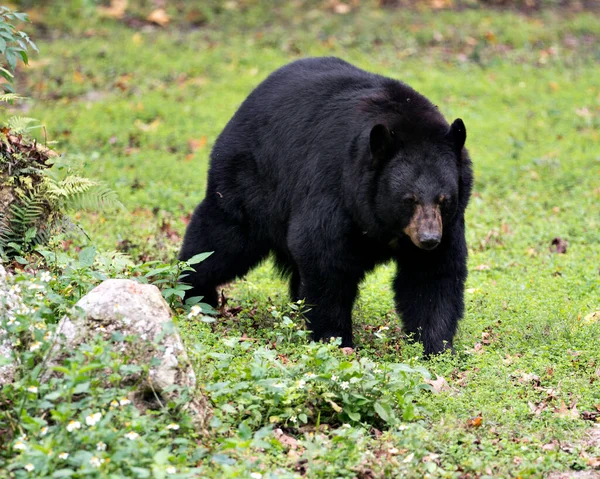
142,108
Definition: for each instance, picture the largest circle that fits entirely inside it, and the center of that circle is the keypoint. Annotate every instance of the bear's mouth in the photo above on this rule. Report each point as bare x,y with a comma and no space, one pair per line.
425,227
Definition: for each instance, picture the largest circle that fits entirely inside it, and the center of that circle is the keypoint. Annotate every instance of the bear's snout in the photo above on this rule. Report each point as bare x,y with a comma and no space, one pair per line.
425,227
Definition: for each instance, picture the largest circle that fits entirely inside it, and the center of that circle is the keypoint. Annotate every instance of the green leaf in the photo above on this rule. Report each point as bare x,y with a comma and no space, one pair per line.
198,258
87,256
82,388
63,473
21,16
11,58
384,411
2,45
354,416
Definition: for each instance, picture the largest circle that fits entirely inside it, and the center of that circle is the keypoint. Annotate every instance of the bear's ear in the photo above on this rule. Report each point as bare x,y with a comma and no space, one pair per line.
457,135
380,143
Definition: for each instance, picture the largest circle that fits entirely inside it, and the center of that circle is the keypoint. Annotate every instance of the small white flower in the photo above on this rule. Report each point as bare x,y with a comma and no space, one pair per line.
310,375
256,475
114,403
346,426
48,336
393,450
132,436
334,377
73,425
101,446
20,446
301,384
96,461
43,431
63,455
402,427
29,467
293,419
92,419
35,346
345,385
32,389
409,457
173,426
45,276
15,289
194,311
124,402
171,470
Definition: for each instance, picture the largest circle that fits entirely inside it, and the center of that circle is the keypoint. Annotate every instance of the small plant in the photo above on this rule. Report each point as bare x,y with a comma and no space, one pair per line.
69,420
38,188
320,386
14,44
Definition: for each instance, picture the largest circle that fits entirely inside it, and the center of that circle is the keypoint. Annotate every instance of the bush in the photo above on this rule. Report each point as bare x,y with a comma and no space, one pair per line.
14,44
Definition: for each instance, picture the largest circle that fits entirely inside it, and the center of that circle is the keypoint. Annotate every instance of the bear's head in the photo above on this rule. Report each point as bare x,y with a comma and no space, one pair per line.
418,180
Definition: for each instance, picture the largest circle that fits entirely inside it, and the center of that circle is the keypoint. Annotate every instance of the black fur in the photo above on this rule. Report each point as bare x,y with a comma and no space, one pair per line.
323,165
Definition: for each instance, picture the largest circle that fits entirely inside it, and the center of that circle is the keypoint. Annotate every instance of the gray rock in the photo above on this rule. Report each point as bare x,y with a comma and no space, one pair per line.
130,308
7,371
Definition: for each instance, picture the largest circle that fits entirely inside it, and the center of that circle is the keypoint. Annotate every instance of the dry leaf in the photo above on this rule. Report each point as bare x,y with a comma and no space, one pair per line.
285,440
159,16
78,77
153,125
116,9
475,421
592,317
566,411
197,144
439,384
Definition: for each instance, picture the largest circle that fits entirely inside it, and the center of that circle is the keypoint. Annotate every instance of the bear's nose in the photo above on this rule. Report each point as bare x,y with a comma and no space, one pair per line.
429,240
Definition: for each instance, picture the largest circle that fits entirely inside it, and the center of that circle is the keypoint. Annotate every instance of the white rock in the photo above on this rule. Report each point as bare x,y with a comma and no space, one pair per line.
135,309
7,371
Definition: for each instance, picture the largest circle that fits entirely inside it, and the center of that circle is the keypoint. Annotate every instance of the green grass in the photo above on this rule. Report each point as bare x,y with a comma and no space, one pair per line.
128,103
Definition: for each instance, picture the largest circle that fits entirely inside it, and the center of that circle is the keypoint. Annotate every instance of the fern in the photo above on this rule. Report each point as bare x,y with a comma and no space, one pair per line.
21,124
8,97
26,222
75,193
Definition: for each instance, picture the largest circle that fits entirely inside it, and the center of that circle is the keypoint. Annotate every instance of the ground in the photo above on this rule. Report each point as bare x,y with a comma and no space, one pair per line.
141,106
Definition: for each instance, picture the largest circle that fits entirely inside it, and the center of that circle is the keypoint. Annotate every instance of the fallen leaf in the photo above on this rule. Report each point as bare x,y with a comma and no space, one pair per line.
565,411
285,440
116,9
475,421
153,125
439,384
197,144
592,317
482,267
159,16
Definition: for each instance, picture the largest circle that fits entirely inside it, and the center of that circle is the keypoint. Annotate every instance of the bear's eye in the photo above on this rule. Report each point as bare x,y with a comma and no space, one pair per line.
410,199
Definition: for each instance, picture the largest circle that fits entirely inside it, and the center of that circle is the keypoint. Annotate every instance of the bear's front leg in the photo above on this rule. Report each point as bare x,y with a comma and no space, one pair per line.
328,273
429,291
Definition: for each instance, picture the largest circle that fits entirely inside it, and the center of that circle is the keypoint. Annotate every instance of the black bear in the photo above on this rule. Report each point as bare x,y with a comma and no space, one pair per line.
333,170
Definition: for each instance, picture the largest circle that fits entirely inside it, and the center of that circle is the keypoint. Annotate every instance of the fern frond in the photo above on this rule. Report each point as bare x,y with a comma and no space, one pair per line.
21,124
98,198
6,97
67,187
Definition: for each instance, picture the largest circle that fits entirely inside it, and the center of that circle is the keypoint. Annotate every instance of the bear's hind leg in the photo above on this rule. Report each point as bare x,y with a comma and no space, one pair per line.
235,252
